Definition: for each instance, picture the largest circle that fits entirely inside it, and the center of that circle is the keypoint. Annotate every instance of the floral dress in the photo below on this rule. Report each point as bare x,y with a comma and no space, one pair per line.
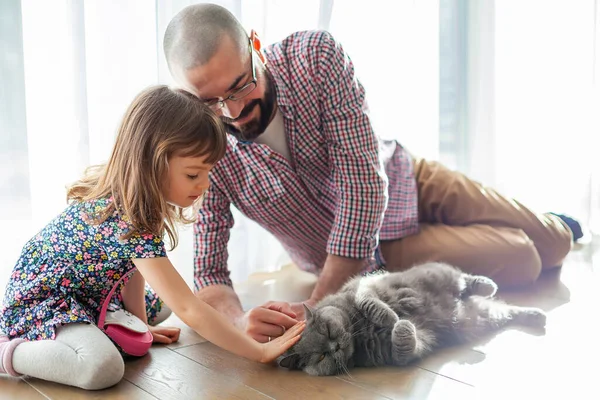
66,271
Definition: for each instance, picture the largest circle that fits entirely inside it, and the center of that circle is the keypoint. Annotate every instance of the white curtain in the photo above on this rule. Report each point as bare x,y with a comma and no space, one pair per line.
69,69
533,97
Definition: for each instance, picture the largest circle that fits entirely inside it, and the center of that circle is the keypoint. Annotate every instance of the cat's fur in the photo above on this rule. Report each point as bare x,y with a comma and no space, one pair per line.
395,318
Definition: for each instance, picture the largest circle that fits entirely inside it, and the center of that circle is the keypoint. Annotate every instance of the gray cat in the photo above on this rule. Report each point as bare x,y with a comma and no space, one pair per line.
396,318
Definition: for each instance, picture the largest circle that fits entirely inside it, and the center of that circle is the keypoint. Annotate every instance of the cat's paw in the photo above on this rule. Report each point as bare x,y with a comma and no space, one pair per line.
408,301
531,316
482,286
404,341
404,329
379,313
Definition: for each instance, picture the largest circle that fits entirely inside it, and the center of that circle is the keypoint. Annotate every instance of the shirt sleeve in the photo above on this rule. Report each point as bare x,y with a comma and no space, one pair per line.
358,171
110,234
211,234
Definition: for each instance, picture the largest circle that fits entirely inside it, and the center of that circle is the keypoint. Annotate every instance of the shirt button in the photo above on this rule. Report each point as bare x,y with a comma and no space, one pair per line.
264,199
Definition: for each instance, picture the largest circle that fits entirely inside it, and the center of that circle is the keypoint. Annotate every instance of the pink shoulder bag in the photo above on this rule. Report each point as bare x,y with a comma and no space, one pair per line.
129,333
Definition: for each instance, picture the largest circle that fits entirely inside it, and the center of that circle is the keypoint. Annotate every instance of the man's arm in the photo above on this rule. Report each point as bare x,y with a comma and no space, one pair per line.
223,299
358,172
212,283
336,272
211,275
271,319
211,234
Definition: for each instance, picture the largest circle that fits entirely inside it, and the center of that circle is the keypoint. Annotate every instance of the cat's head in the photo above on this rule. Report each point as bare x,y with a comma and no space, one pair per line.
326,344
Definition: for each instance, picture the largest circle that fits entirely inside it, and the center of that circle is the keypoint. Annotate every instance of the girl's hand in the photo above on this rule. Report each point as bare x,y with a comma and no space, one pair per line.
161,334
276,347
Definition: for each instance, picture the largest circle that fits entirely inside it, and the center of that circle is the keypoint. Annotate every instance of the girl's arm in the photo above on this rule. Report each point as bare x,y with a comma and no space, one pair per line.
134,296
134,301
206,321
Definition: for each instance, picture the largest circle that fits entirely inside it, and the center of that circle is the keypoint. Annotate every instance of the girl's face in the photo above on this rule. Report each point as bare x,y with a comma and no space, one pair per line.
186,180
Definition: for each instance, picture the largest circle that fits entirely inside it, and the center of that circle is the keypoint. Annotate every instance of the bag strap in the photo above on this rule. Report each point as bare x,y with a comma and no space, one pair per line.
108,298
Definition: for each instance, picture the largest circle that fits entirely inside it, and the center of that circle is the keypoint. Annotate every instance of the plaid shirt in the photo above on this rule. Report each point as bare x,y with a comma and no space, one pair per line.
342,192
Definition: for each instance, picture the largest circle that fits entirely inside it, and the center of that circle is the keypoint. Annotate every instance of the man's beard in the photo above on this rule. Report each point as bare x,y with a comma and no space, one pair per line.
254,128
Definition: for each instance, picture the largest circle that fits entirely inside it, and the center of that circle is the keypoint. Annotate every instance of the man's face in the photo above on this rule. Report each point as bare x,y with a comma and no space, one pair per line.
228,71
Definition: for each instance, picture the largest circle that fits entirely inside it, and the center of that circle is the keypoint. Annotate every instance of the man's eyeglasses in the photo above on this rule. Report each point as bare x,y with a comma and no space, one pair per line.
217,105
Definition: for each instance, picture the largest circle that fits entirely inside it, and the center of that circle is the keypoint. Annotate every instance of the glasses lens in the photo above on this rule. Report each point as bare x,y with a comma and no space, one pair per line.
215,106
243,92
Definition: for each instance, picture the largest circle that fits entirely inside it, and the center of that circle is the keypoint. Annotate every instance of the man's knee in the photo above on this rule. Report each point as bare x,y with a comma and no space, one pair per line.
518,266
510,258
554,251
506,255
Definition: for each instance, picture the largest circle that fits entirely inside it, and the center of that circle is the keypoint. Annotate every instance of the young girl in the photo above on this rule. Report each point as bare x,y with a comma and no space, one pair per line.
167,143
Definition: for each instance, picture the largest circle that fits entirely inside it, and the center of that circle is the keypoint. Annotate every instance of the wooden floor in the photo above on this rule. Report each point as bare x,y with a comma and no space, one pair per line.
512,365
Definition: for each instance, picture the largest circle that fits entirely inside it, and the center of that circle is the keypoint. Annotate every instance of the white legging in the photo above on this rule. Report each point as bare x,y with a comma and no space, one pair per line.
82,356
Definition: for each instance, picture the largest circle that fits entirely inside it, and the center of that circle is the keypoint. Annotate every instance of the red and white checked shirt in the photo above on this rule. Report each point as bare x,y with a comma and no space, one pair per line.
343,190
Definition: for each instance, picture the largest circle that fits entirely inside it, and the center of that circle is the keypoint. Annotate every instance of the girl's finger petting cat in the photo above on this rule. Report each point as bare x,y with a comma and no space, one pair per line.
277,347
291,336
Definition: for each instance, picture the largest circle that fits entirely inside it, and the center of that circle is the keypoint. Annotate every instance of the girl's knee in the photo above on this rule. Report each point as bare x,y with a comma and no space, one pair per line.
104,371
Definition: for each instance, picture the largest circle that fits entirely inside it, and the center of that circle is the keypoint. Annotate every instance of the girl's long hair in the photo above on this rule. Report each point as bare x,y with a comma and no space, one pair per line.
159,123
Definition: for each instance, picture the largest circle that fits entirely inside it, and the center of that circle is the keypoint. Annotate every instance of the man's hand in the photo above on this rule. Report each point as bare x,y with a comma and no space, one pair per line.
270,320
298,308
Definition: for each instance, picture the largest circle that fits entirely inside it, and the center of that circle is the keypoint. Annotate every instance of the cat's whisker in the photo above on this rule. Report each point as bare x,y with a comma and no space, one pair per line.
358,321
341,367
365,327
359,331
348,373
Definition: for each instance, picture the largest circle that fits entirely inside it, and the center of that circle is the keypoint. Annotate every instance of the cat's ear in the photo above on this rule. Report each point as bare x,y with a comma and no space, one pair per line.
308,313
289,362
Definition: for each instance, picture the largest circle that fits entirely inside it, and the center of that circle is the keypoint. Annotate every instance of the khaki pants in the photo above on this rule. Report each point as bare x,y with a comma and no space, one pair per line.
475,228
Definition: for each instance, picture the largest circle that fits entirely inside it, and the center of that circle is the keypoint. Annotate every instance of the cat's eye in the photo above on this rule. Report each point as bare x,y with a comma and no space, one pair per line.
321,357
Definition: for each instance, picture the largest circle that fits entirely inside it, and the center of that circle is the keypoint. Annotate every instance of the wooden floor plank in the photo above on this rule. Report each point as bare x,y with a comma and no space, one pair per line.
188,336
409,383
168,375
123,391
275,382
16,388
